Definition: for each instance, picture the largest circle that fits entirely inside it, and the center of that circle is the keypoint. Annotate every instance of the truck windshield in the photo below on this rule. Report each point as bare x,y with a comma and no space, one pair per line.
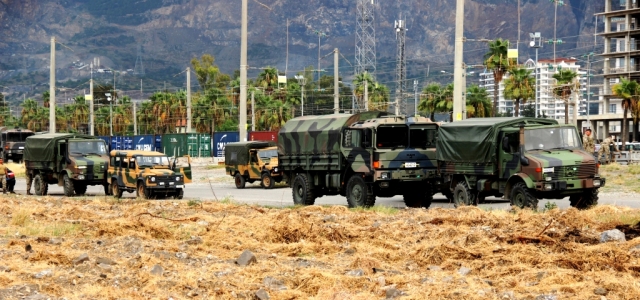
392,137
267,154
422,136
18,136
153,161
551,138
87,148
356,138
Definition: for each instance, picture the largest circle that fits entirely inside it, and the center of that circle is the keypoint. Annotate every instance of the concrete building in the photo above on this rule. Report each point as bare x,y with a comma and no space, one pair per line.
547,104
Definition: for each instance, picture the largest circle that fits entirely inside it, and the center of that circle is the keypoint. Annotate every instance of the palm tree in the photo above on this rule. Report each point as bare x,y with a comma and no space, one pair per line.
565,84
445,102
478,99
496,60
519,86
627,90
432,94
268,79
29,110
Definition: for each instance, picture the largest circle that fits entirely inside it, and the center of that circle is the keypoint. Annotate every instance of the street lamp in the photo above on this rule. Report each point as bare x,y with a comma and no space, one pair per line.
110,113
536,42
301,81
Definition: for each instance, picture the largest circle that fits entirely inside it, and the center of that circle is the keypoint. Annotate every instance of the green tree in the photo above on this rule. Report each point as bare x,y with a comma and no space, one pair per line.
496,60
628,90
520,87
565,85
206,71
430,96
478,99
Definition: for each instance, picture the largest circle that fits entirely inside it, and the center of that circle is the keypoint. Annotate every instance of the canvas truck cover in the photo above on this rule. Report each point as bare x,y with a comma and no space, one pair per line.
41,147
238,153
317,134
475,140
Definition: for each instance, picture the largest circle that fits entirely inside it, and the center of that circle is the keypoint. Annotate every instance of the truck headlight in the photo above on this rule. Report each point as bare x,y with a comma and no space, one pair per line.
384,175
177,178
82,167
548,186
596,183
80,177
153,179
275,169
548,179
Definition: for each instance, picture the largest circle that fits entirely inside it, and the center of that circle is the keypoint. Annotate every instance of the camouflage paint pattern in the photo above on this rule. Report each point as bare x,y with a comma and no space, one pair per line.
14,150
253,169
157,179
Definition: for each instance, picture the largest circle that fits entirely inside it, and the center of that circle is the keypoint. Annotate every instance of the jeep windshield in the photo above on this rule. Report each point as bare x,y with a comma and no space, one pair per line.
267,154
85,148
157,162
393,137
556,138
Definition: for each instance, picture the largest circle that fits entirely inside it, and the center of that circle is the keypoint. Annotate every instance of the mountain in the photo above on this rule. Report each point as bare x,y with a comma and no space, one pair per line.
172,32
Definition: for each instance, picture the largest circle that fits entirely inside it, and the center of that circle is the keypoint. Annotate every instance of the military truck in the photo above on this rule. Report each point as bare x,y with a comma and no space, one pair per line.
73,161
358,156
522,159
253,161
12,143
150,174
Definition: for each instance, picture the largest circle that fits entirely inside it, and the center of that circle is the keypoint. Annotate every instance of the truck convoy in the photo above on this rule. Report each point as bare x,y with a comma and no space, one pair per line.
12,143
522,159
73,161
252,161
360,157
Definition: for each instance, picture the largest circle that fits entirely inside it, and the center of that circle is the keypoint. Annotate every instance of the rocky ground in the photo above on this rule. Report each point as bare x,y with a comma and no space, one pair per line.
103,249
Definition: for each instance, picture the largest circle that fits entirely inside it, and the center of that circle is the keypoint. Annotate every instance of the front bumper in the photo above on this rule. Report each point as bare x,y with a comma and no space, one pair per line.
570,184
404,174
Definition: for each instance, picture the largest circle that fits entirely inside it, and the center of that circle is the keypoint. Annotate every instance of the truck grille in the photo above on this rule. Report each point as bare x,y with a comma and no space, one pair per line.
574,172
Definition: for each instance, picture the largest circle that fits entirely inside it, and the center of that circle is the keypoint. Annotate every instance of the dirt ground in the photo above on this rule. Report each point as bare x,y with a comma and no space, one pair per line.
100,248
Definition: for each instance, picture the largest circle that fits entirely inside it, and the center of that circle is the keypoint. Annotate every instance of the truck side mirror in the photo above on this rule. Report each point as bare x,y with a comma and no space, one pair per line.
505,144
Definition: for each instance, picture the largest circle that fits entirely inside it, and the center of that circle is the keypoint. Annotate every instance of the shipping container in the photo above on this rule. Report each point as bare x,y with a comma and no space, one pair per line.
220,139
127,142
107,140
263,136
175,144
192,144
158,143
144,142
116,143
204,145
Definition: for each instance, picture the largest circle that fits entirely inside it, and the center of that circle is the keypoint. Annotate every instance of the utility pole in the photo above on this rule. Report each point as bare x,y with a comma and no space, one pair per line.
415,97
336,83
576,97
459,82
253,111
366,95
243,73
52,88
91,116
286,61
365,37
188,99
135,121
401,70
301,81
320,34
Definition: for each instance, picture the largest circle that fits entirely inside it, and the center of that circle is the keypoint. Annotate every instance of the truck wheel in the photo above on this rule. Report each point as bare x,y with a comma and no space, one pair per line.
418,197
481,198
585,200
358,193
239,181
267,181
522,198
115,190
68,186
142,192
462,195
39,186
80,188
302,191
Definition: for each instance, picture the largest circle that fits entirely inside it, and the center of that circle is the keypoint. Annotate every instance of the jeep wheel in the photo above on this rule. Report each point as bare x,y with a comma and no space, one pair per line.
302,192
39,186
68,186
522,197
585,200
179,194
80,188
358,193
142,192
239,181
115,190
462,195
267,181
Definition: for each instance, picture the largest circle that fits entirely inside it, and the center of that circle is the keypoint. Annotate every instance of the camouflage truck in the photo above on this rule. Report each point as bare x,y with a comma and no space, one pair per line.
522,159
150,174
12,143
73,161
253,161
358,156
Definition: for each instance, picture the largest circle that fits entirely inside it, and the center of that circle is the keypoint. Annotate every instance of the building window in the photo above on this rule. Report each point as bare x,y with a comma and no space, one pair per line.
612,108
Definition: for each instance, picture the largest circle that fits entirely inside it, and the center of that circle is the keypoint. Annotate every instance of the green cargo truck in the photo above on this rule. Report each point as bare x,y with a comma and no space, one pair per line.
73,161
522,159
358,156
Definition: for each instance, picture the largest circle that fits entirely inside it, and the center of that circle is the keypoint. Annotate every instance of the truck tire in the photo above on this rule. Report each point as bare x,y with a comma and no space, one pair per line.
462,195
585,200
418,198
39,186
179,194
80,188
240,182
267,181
302,191
67,186
115,189
522,197
142,192
358,193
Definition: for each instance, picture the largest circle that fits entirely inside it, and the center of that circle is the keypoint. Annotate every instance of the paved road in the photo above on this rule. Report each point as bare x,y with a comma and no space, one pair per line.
281,196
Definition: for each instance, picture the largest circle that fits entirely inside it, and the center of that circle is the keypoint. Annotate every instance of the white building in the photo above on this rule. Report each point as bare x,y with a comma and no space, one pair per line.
547,104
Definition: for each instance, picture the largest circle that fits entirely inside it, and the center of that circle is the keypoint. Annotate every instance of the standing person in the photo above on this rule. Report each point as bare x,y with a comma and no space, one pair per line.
588,142
604,148
3,174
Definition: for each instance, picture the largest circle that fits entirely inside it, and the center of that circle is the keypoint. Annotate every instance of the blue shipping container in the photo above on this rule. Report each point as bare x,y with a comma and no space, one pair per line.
220,139
107,140
158,138
127,142
144,142
116,143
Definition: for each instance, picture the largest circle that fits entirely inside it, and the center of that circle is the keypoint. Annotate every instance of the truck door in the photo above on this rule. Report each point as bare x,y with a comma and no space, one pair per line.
356,148
254,164
183,165
508,154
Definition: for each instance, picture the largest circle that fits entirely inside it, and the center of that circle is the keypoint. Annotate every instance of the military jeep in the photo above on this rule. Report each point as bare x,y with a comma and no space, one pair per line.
150,174
253,161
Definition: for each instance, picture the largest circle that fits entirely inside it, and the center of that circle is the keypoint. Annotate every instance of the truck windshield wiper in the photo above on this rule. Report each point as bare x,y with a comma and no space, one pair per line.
539,149
562,148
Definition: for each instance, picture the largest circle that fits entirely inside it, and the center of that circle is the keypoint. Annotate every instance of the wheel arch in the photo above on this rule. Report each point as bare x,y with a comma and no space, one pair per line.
516,178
